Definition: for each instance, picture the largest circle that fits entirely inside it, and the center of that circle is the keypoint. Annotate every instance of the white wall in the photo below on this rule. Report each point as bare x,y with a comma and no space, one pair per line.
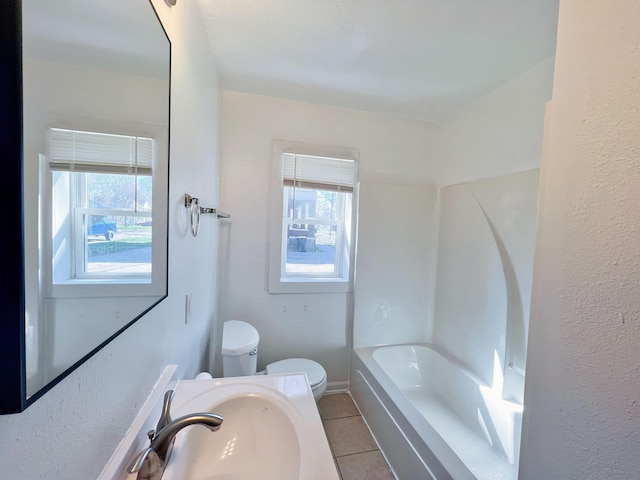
582,399
497,134
316,326
71,432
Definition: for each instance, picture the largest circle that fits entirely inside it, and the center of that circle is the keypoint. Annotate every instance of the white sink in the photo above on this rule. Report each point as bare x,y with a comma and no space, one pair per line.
271,431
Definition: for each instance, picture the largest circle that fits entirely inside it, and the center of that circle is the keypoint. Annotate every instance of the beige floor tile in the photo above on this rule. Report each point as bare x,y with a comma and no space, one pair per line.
349,435
337,405
364,466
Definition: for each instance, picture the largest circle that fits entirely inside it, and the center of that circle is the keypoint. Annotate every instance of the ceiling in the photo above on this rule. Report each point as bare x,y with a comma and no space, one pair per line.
413,58
121,36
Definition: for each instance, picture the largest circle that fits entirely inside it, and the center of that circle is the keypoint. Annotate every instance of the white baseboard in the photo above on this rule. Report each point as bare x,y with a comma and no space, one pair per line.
337,387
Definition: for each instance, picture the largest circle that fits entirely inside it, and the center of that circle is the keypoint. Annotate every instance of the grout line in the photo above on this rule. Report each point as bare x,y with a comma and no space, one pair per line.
344,416
358,453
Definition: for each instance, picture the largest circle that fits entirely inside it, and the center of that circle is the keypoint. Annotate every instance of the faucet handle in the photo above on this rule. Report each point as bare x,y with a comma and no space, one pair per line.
165,416
147,465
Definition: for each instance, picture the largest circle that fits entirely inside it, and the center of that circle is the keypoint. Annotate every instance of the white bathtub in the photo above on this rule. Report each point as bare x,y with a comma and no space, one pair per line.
432,417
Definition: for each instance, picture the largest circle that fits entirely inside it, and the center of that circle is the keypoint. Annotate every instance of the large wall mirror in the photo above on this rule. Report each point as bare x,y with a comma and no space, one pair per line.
89,174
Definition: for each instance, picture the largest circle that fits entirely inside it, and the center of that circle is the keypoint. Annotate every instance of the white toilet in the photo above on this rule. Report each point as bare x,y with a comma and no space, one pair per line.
240,357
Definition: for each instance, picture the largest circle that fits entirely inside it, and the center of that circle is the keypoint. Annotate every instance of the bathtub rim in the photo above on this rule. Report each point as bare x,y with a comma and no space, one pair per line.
420,435
425,437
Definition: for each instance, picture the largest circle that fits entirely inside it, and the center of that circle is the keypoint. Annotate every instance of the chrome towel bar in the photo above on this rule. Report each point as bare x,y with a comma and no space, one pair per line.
193,204
215,212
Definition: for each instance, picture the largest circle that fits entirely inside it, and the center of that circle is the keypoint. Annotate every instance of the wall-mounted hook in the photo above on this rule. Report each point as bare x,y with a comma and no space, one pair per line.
188,200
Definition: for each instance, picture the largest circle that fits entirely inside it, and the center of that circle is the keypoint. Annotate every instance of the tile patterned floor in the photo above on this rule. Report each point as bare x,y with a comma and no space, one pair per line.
354,450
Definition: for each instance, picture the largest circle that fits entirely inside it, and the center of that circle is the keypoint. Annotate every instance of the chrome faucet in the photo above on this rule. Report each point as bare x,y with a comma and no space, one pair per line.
151,462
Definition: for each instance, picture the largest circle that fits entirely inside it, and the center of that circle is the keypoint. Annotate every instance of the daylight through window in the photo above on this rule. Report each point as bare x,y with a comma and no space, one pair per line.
102,197
317,202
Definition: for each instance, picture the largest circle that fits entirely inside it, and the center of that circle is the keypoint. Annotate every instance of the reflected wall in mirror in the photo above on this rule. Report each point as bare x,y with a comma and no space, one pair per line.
96,81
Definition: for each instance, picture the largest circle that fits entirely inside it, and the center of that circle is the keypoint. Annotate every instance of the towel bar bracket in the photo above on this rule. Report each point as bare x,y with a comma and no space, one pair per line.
193,204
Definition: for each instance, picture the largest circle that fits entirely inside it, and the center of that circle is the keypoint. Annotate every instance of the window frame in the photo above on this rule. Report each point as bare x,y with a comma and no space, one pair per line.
66,284
308,283
79,246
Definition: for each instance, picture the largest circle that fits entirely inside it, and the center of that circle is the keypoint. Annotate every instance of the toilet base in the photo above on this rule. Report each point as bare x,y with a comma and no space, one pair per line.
319,391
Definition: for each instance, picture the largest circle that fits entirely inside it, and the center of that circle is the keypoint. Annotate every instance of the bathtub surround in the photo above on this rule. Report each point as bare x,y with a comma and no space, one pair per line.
485,266
494,136
396,264
468,396
89,412
472,244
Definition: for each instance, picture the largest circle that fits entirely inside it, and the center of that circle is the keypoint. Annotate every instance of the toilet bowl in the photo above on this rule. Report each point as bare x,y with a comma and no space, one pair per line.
240,357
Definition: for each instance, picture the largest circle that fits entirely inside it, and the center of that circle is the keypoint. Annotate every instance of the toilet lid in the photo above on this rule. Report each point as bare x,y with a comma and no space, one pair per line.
238,338
315,372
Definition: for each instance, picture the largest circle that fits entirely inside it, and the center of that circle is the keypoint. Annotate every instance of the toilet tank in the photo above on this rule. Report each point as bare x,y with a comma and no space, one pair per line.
239,349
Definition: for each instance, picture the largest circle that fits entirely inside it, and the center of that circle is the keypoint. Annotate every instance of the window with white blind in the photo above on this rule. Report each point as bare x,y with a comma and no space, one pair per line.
93,152
101,206
312,219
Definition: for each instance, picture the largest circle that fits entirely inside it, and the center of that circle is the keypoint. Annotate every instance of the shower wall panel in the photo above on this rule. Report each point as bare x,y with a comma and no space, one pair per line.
483,281
395,266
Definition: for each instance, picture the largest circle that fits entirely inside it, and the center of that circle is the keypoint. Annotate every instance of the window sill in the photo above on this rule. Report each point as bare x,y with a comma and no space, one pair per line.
106,281
310,285
84,288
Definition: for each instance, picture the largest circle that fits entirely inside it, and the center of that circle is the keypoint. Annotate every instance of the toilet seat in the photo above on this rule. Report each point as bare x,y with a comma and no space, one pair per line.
315,373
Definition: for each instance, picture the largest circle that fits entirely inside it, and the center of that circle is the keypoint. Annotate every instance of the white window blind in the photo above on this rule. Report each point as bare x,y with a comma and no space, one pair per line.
321,173
91,152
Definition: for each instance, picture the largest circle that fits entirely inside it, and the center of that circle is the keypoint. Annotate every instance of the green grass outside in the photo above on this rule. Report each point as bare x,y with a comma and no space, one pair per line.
134,234
116,246
134,228
132,239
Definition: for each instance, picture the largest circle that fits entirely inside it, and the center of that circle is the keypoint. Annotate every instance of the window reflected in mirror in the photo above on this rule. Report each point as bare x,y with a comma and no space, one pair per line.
101,198
96,88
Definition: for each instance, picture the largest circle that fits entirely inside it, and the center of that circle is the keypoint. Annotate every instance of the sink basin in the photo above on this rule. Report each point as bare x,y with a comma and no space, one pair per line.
271,431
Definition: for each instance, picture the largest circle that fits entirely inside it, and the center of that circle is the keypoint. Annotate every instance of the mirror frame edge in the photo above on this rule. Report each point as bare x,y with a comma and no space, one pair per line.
12,327
13,398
